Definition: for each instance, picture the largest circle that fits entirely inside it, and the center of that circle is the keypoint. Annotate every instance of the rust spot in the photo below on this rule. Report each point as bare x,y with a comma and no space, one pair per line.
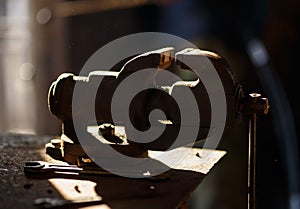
198,155
77,189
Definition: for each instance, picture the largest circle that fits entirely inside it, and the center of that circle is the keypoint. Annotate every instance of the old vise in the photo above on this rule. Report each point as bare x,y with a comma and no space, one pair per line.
170,76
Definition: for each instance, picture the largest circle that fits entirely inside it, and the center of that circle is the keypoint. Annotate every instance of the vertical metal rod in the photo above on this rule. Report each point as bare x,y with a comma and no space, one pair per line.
252,162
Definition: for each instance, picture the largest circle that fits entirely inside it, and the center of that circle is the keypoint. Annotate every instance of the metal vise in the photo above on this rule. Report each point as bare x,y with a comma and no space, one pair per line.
67,147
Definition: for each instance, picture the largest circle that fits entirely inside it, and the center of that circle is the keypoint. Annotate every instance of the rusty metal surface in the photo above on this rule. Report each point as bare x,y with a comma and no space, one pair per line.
195,159
18,191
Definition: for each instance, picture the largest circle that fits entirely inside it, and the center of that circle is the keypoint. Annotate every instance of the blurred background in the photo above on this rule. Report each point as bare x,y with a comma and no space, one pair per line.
40,39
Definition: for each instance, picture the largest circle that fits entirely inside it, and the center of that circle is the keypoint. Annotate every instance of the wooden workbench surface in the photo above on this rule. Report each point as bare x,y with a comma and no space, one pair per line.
19,191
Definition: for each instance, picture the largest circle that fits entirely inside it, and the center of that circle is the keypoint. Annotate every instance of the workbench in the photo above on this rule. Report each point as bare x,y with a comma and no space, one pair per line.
20,191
